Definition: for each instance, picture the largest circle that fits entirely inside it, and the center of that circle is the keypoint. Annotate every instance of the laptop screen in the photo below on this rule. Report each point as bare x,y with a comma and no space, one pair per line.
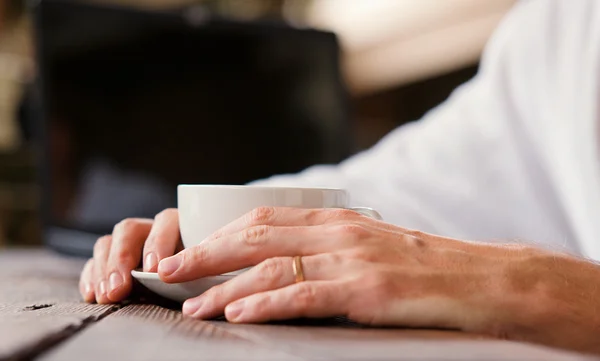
135,103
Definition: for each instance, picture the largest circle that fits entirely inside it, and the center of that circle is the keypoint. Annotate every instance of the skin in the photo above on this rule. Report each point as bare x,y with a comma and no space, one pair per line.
367,270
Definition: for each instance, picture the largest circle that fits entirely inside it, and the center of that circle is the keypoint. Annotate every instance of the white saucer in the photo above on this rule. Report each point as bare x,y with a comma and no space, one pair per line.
179,291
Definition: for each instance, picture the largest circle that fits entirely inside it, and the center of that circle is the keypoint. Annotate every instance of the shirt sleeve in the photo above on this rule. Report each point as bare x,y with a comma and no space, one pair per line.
482,165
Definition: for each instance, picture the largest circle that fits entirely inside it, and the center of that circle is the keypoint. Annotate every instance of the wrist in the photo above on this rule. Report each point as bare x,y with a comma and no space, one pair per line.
548,297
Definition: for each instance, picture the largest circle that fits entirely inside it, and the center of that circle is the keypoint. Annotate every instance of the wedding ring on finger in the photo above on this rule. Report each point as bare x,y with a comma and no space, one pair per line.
298,270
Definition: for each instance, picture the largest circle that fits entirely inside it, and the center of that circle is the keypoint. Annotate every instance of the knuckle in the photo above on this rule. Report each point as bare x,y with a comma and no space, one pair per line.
216,235
255,236
263,304
127,226
216,293
102,244
166,214
306,295
351,231
344,214
271,271
261,215
122,256
313,216
87,270
198,254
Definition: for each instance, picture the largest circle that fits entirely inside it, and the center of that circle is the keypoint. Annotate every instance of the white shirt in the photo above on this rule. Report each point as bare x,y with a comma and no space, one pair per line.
512,155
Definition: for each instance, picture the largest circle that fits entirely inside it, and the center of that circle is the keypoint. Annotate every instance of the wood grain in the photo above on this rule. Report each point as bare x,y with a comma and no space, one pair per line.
142,332
164,334
39,302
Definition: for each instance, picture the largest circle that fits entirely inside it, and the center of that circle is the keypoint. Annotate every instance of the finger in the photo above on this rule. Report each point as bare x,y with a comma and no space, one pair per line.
305,299
86,282
101,252
274,273
285,216
163,240
125,253
250,247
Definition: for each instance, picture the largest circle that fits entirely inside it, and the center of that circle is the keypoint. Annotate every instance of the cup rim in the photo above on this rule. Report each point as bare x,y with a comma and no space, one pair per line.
261,187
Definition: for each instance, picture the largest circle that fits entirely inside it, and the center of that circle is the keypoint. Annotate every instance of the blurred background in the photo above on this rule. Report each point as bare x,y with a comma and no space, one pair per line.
397,60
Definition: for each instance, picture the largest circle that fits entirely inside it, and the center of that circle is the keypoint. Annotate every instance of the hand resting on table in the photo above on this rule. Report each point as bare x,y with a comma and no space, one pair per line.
370,271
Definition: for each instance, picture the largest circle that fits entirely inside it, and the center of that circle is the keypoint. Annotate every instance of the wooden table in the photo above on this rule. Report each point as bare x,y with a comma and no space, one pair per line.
42,317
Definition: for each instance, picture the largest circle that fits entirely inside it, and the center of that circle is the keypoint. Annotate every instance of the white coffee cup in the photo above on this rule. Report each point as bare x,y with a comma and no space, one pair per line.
204,209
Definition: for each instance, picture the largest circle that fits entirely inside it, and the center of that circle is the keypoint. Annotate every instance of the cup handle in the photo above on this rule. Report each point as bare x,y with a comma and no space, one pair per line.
369,212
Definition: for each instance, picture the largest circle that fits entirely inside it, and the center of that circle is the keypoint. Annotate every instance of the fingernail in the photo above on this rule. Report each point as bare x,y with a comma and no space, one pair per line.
191,306
233,311
102,288
87,289
115,281
168,266
151,262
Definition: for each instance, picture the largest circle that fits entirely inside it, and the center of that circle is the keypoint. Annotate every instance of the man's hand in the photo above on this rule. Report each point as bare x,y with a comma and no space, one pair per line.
370,271
106,278
379,274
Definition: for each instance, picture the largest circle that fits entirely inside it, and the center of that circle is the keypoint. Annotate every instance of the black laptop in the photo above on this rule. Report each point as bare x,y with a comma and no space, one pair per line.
134,102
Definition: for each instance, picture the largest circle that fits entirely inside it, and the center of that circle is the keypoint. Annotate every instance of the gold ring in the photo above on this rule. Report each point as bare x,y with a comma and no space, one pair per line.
297,267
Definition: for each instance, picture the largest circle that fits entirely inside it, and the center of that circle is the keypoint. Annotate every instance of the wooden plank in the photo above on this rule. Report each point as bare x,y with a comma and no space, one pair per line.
39,302
144,332
27,331
149,332
38,276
